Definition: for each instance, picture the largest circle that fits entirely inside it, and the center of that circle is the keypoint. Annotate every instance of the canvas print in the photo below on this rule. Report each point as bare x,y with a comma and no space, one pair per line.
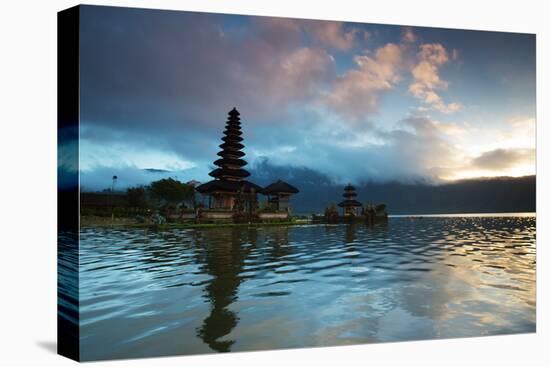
235,183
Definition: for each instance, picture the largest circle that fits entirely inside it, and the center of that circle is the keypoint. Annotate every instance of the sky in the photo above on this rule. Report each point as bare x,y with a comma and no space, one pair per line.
356,102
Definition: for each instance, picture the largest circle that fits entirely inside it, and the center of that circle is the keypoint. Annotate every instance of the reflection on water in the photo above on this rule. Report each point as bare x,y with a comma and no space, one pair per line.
224,261
67,294
147,293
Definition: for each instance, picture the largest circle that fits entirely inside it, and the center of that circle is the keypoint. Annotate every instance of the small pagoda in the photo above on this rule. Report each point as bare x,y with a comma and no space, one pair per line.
349,205
229,190
278,195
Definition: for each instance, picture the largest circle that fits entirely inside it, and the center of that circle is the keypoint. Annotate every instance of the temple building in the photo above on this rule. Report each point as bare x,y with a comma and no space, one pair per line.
350,205
278,195
229,190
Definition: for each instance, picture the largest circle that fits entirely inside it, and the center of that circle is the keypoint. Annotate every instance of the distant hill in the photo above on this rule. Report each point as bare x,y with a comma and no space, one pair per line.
483,195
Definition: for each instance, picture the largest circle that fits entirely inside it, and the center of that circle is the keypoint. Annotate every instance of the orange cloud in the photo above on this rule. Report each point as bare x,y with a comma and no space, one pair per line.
426,78
356,93
333,34
433,53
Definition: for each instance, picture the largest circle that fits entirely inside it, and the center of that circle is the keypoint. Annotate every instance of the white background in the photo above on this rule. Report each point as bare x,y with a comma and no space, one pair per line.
28,181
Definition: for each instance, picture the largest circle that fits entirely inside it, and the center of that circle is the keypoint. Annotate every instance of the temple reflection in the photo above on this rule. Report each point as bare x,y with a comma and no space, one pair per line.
278,241
223,259
351,233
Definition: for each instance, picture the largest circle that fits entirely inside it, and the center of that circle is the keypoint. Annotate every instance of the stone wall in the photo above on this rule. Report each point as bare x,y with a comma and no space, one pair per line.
215,214
273,215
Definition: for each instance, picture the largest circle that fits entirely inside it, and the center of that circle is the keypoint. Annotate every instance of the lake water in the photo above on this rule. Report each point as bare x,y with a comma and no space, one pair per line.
153,293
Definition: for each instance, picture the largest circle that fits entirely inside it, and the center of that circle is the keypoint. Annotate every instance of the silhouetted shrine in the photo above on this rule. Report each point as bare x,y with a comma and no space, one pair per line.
230,195
350,205
278,194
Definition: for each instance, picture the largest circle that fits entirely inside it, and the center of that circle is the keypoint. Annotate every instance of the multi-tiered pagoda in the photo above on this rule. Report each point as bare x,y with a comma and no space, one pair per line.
229,187
350,205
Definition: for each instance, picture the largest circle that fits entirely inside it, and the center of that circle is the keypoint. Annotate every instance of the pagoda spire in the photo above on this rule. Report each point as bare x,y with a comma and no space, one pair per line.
230,164
350,203
349,192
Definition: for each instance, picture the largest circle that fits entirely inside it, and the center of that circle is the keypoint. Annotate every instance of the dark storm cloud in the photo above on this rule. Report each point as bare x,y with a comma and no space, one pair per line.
154,69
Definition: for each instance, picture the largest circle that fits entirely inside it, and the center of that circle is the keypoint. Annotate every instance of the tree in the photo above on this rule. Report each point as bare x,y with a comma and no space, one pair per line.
380,208
331,213
137,197
172,191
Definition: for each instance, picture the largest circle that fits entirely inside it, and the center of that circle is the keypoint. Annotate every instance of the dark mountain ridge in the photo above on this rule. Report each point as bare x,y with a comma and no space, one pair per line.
479,195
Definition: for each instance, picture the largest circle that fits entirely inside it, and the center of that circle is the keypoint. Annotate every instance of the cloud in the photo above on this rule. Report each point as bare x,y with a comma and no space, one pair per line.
299,75
453,129
426,80
154,84
418,148
501,159
279,32
426,145
334,34
143,68
140,89
522,122
163,82
433,53
356,93
93,154
156,87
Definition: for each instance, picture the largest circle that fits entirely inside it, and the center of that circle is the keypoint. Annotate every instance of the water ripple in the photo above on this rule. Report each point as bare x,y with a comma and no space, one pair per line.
221,289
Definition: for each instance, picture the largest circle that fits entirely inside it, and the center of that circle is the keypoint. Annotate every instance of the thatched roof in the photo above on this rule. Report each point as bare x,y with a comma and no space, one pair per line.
349,187
350,203
279,187
228,186
229,172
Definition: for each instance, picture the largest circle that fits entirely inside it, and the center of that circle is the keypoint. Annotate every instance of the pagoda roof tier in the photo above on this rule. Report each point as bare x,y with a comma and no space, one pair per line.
232,139
349,194
228,172
228,186
350,203
230,161
233,124
349,187
279,187
233,153
229,132
232,133
231,146
232,136
234,112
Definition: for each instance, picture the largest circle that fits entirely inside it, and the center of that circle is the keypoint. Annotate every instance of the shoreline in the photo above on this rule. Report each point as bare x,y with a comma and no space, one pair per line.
99,222
124,224
467,215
